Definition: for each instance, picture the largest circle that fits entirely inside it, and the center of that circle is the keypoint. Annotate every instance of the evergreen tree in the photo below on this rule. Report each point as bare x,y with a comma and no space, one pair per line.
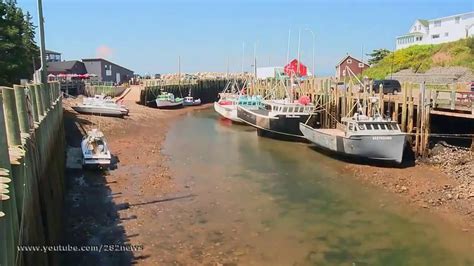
17,45
377,55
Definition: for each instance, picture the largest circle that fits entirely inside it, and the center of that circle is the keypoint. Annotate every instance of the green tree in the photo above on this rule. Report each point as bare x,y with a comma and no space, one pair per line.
377,55
17,46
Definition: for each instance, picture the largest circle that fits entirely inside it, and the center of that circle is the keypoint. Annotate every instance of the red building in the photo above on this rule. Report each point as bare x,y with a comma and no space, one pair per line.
350,64
296,68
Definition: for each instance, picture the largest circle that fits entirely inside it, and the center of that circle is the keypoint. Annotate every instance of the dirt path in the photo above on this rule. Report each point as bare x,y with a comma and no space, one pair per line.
124,205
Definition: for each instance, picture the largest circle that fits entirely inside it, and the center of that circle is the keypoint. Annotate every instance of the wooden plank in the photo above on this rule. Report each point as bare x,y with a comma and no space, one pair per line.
404,108
452,114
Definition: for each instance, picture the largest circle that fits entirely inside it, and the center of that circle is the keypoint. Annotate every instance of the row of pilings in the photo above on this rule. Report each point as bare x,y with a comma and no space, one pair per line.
206,90
32,162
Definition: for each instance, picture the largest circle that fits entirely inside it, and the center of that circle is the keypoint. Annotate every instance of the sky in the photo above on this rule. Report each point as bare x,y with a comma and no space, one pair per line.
148,36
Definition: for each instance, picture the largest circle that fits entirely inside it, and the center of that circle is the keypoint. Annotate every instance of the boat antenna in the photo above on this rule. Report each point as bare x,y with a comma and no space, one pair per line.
179,76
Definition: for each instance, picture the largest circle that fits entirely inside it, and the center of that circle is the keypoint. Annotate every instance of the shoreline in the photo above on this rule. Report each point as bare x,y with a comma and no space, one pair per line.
143,176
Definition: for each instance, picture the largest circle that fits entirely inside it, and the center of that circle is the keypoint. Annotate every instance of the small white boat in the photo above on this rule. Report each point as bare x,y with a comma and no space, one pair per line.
101,105
95,151
189,101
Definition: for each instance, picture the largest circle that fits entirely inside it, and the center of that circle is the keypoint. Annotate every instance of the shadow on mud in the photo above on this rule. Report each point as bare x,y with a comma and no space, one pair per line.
91,217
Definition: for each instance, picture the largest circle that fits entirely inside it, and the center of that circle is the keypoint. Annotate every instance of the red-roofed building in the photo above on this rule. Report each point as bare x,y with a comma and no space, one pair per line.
350,64
296,68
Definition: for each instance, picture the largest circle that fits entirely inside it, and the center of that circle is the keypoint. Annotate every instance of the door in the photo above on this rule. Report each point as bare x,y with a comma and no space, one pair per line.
117,77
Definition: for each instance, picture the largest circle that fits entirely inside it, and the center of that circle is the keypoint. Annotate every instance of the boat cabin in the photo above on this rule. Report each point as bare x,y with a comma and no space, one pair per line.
369,127
289,108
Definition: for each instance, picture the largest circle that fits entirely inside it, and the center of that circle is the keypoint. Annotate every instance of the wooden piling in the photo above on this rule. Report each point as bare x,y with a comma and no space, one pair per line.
404,108
11,117
20,98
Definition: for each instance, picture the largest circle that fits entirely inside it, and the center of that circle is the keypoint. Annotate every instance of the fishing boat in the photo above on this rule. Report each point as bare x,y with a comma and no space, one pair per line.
279,118
166,100
233,95
227,105
373,137
190,101
100,105
95,150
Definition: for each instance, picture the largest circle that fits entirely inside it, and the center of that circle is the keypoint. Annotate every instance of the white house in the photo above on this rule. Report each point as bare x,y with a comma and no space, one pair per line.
439,30
269,72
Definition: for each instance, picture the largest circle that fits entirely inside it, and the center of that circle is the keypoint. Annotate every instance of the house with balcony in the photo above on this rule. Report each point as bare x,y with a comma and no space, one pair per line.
438,30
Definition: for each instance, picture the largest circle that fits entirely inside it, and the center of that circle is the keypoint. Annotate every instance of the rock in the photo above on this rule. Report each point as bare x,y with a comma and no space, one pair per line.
449,197
403,189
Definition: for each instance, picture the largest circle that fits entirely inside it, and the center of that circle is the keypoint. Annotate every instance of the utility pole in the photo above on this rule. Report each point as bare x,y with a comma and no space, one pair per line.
314,39
243,55
288,51
255,60
44,68
299,46
227,74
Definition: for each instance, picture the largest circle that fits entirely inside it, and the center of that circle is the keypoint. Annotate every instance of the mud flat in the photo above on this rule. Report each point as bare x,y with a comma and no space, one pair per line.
184,199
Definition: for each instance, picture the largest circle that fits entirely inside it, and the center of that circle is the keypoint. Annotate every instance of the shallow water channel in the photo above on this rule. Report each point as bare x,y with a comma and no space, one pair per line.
258,201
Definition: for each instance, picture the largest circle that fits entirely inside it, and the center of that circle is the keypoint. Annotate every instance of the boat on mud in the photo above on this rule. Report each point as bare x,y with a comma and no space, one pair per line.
95,151
101,105
227,105
372,137
278,118
166,100
233,95
190,101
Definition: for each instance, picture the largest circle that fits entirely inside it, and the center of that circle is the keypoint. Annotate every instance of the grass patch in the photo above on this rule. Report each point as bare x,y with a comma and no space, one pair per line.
420,58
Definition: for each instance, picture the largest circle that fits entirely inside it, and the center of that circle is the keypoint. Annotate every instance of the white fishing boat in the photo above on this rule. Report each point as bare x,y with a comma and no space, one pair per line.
166,100
95,150
233,96
190,101
373,137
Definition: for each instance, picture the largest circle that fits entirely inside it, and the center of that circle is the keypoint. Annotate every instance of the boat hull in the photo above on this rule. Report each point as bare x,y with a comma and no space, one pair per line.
168,104
101,111
284,127
374,147
227,111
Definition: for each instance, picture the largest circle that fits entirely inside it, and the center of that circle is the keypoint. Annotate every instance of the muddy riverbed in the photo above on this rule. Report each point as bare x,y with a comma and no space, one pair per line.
193,189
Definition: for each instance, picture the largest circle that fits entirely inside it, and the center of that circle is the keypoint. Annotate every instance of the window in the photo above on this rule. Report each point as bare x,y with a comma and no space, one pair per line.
437,23
351,127
436,36
361,65
446,34
457,19
349,61
419,38
344,73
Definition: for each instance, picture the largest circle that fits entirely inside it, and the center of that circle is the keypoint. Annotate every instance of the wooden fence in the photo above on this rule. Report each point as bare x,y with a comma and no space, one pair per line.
32,147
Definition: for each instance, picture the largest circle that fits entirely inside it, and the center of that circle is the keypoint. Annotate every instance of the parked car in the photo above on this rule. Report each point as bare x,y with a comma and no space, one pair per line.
389,86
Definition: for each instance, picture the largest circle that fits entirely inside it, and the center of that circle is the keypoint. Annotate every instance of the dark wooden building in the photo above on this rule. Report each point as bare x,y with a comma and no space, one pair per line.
66,67
350,64
107,71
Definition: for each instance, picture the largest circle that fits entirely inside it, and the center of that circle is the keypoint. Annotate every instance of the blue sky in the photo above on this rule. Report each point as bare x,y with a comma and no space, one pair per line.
147,36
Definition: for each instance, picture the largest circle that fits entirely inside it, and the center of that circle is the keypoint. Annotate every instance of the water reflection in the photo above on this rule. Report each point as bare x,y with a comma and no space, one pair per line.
262,201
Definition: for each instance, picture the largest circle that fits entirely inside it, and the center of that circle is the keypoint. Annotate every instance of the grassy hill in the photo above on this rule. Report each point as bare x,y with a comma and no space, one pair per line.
420,58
